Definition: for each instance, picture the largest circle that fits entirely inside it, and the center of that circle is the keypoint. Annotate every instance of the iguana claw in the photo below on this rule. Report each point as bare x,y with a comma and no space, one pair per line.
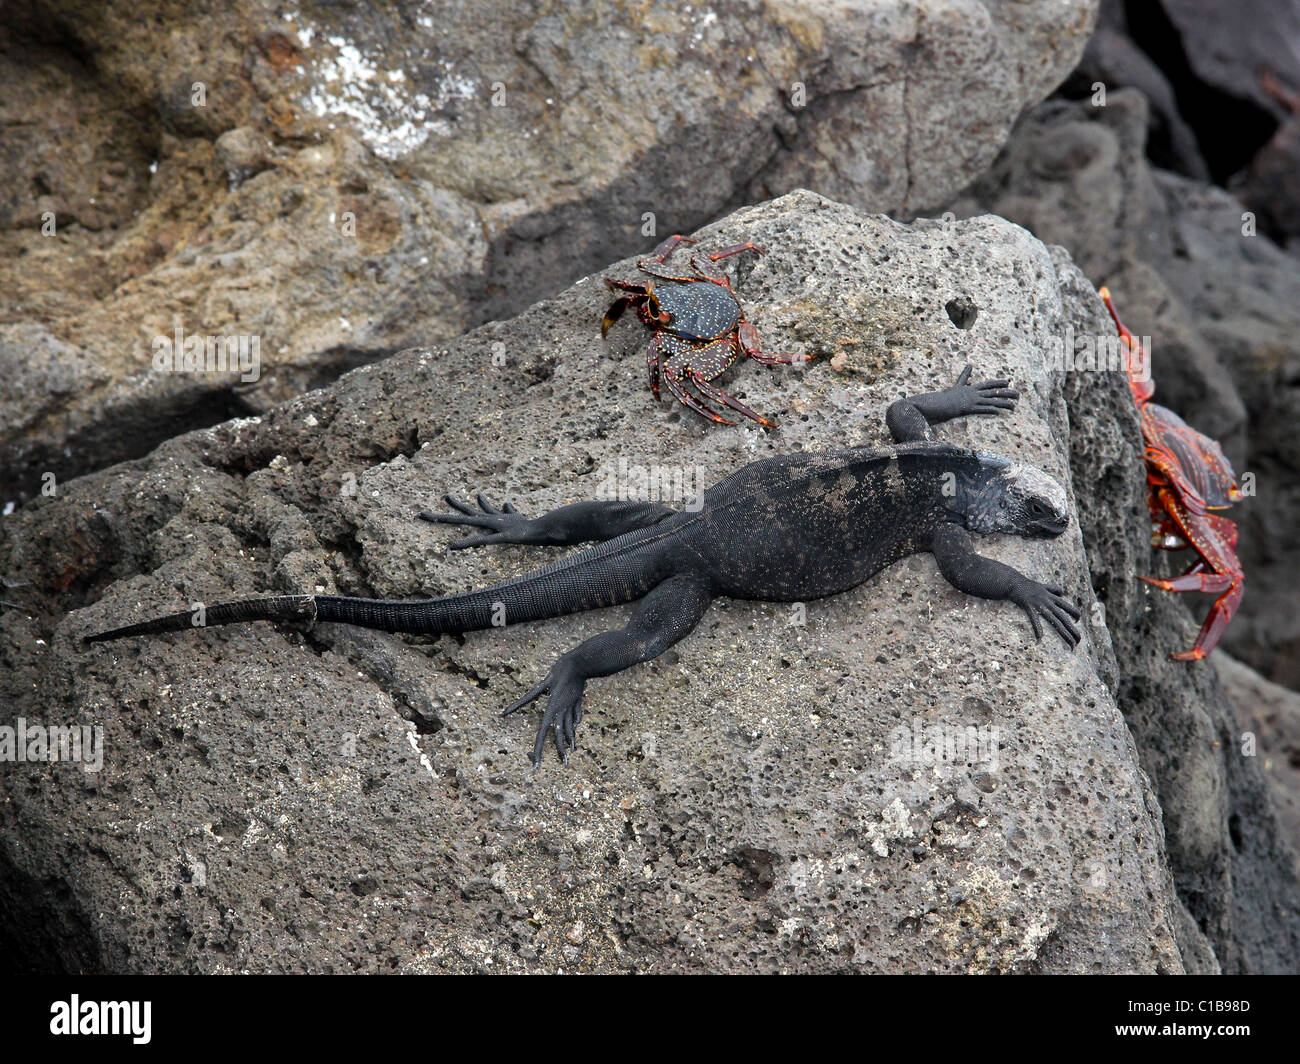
563,710
506,523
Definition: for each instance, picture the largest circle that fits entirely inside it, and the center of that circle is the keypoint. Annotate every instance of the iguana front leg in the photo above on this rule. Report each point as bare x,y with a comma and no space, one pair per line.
909,419
976,575
580,522
665,615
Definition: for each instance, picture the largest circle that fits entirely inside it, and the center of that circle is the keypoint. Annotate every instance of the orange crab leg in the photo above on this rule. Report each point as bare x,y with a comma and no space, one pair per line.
1213,538
749,344
1142,390
710,391
735,249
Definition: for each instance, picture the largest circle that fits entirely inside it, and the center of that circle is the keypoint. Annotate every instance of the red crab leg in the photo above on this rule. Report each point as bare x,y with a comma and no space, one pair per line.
666,273
703,265
749,344
1211,537
735,249
615,285
655,356
1142,390
710,391
1210,583
1215,622
708,271
661,253
689,401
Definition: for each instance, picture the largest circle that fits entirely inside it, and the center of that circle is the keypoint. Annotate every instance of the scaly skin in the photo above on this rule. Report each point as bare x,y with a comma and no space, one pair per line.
790,528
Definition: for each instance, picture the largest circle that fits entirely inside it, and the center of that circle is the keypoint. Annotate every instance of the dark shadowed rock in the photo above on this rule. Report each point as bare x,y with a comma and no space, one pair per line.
1271,714
750,801
1112,60
1229,45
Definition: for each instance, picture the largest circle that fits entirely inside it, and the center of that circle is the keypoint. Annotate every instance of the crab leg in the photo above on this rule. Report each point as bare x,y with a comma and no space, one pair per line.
735,249
689,401
749,344
661,253
1142,389
655,356
654,265
1212,537
708,271
615,312
703,265
1215,622
711,391
1210,583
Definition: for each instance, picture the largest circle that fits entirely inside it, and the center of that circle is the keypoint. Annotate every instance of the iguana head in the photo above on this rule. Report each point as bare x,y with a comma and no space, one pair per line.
1015,499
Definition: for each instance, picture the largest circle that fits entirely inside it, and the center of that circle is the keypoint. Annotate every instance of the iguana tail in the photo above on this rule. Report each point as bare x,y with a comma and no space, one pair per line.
604,575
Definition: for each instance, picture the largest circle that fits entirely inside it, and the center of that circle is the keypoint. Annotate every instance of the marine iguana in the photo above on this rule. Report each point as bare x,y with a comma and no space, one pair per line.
782,529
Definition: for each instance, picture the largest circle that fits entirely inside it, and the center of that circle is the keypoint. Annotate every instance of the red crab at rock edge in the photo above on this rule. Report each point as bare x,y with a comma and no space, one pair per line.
1188,476
698,325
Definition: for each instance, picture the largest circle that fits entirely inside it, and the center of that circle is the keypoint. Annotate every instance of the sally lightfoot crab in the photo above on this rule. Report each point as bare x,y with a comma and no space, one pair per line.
1188,476
699,328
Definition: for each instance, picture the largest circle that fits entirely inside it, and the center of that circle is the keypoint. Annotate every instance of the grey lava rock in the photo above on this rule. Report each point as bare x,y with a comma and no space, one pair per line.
1270,715
758,799
1219,300
343,181
1232,859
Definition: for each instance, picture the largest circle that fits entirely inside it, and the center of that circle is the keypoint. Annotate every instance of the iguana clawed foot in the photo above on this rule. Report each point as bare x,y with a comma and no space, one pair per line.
506,523
563,709
985,398
1047,601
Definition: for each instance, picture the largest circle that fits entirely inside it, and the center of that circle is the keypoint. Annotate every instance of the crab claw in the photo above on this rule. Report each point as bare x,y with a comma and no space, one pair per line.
614,313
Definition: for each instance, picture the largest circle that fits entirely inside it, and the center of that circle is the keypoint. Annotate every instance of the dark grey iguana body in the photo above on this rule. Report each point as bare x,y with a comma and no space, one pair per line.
783,529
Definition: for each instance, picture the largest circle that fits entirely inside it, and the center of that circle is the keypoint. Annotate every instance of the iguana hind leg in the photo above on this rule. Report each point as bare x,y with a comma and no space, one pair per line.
666,615
580,522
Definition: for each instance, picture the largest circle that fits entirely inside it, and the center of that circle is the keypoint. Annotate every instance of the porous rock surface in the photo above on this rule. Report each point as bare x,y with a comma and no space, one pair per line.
1232,856
1270,715
352,801
343,181
1219,300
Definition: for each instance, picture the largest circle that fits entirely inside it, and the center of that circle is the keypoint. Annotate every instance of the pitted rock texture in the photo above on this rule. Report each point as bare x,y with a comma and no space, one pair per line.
1232,858
1219,301
760,798
1270,715
345,181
